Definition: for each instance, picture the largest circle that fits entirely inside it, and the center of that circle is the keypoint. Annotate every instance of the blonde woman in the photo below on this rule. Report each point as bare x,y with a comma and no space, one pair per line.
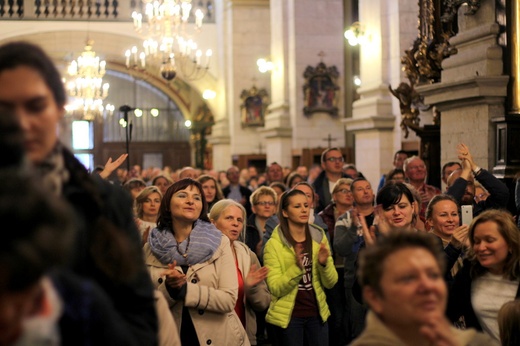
147,205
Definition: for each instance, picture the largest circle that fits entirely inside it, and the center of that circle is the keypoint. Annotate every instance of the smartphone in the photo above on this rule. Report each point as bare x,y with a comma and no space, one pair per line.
466,214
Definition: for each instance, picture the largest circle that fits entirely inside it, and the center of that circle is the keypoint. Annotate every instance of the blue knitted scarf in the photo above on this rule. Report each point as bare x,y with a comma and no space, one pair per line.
204,240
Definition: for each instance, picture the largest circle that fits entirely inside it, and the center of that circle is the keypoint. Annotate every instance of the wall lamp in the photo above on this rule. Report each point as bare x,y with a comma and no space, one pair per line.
356,34
209,94
264,65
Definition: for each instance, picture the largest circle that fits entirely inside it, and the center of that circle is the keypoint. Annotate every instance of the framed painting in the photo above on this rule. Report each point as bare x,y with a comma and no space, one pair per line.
253,107
321,91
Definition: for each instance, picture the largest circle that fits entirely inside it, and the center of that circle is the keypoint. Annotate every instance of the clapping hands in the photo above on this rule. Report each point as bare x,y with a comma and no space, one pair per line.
255,276
174,278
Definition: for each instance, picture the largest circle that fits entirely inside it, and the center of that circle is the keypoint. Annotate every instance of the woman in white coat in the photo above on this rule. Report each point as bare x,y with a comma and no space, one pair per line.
189,260
229,217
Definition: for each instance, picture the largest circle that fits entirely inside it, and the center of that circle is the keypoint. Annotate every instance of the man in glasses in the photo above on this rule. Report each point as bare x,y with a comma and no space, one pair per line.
332,164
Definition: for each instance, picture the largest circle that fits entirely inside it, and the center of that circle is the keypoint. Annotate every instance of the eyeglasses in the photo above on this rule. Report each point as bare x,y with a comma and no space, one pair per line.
345,191
335,159
480,197
265,204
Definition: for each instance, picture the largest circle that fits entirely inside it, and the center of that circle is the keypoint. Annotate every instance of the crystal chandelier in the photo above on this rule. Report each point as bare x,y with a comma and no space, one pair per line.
165,40
86,87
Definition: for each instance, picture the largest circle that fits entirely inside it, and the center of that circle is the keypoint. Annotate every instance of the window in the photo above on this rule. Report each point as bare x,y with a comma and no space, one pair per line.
83,142
82,135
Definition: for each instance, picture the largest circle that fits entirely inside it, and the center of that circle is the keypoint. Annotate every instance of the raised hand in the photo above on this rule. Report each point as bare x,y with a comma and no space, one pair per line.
369,234
111,166
464,154
380,221
255,276
323,254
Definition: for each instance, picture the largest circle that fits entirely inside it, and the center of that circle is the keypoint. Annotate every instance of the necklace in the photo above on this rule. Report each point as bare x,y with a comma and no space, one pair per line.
185,254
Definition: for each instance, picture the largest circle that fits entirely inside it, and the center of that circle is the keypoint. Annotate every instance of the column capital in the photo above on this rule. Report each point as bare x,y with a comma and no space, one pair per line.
373,123
467,92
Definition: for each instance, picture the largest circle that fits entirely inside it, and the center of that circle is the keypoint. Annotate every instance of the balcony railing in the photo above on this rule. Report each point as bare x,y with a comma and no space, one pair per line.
82,10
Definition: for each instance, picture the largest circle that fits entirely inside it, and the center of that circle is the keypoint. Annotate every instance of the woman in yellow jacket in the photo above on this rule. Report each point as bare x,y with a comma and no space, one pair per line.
300,266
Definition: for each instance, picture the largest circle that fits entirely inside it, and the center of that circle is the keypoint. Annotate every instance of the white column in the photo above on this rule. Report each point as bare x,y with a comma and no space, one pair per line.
372,120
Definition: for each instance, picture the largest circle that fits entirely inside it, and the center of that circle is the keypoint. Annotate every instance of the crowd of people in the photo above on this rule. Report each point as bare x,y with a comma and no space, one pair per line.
310,256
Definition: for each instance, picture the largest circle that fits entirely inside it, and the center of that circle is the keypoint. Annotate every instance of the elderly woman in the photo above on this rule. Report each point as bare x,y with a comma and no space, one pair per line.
263,203
211,189
147,204
342,201
300,267
490,276
229,217
189,260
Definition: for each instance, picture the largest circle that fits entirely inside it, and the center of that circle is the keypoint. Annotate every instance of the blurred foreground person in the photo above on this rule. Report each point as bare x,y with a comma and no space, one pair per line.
40,302
107,247
402,280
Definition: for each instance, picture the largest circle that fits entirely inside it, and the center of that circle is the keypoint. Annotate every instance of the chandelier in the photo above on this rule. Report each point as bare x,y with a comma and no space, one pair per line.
86,87
165,40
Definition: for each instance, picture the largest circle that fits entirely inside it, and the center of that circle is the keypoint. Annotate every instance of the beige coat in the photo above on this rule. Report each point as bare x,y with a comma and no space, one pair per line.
258,297
168,333
212,291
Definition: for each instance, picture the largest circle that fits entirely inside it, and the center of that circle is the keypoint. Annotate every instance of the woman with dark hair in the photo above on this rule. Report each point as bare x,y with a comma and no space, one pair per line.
189,261
490,276
278,187
300,267
293,179
211,189
395,210
396,175
107,248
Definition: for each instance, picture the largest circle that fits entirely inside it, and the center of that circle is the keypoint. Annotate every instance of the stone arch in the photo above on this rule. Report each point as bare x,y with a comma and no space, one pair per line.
64,45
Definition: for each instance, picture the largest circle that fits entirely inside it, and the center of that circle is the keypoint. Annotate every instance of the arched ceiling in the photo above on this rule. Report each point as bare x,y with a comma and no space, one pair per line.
64,46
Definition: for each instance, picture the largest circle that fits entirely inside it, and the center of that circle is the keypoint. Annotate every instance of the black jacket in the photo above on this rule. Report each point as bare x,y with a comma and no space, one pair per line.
245,192
460,310
499,193
321,187
103,216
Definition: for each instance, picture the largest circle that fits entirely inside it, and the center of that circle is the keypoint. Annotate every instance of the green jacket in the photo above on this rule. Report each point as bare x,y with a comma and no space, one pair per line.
284,276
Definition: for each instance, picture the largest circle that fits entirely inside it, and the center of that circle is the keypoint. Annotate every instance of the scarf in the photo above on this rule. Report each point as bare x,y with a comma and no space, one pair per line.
52,171
203,241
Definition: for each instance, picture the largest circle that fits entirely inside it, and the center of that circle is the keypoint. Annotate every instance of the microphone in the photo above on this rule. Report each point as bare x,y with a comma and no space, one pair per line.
130,127
126,108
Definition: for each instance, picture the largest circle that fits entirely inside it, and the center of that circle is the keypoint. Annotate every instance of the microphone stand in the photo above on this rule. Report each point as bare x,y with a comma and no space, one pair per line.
128,132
